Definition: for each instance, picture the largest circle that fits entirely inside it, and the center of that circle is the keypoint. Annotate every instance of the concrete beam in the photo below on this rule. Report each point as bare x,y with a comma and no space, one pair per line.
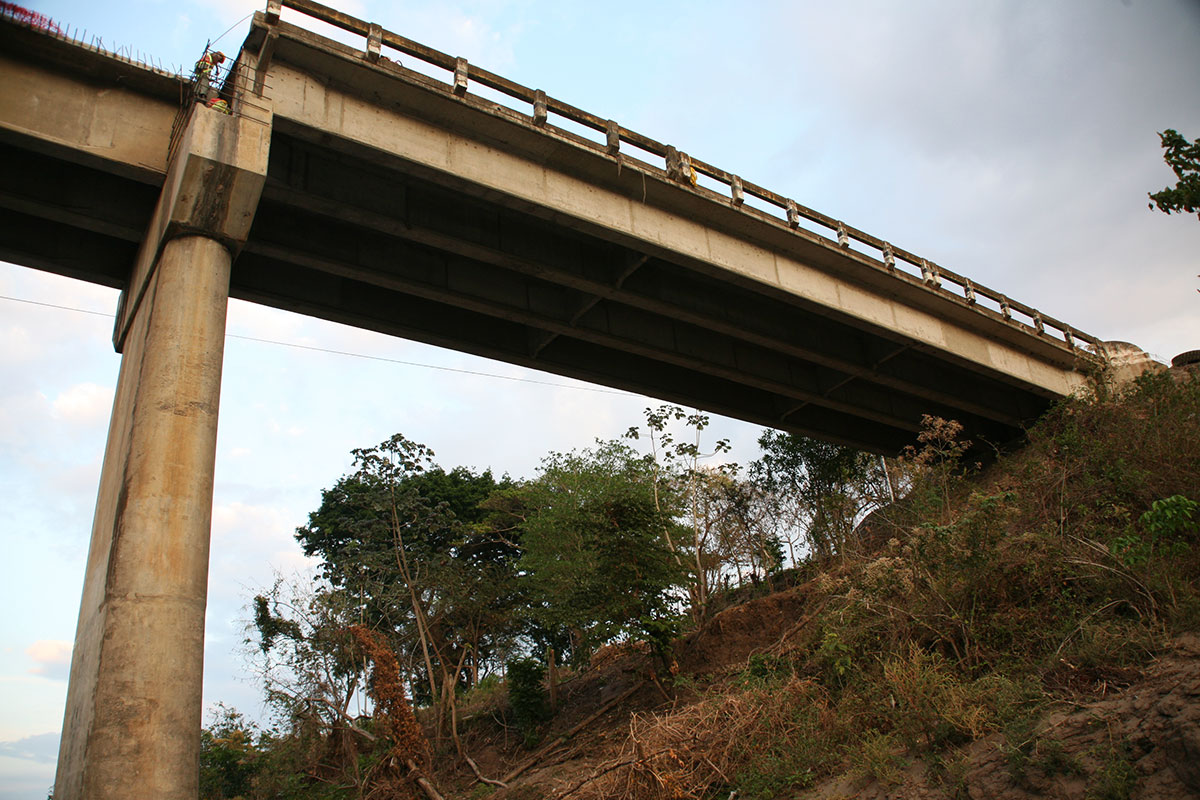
73,195
101,122
814,272
405,213
36,242
343,299
634,335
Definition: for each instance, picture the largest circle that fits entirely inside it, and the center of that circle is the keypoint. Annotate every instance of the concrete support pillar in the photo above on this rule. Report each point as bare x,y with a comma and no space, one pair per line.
139,655
132,725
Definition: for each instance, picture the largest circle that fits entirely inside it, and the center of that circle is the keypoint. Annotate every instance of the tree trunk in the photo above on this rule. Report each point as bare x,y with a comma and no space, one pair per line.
552,676
418,611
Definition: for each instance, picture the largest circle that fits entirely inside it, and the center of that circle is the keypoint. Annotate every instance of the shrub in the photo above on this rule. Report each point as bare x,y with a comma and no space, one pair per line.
527,696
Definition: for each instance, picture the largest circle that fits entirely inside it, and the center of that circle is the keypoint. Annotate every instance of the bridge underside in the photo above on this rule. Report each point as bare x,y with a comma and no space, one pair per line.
379,238
342,236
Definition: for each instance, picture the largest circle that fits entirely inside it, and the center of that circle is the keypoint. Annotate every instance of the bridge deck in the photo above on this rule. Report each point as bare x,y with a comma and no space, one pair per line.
395,202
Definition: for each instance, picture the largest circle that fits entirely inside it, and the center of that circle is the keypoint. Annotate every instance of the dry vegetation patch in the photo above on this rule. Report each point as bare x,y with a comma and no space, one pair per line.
993,642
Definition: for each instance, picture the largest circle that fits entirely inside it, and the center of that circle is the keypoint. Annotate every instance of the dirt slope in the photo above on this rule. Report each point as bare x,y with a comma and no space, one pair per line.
1138,738
1140,742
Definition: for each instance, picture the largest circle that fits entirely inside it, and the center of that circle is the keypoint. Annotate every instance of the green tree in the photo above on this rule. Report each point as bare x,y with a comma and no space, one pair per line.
414,544
826,487
676,463
527,696
596,562
1183,158
229,755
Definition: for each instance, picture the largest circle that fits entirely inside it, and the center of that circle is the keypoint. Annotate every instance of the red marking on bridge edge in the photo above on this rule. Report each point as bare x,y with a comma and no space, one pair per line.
31,17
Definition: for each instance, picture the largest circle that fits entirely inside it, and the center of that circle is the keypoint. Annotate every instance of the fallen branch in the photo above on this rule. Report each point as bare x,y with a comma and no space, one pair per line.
639,757
479,775
423,782
597,773
662,690
540,754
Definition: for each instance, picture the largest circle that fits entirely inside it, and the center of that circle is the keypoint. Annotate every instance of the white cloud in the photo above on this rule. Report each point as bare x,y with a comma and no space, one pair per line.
248,537
42,748
17,346
84,404
52,658
20,416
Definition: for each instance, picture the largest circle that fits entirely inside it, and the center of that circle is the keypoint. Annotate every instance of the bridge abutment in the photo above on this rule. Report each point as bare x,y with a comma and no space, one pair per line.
132,724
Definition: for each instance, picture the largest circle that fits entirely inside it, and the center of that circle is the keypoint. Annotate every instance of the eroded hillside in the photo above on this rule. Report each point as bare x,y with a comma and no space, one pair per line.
1027,631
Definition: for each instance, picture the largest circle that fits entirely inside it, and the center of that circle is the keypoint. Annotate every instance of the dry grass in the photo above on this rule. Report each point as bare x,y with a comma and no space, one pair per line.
686,753
996,596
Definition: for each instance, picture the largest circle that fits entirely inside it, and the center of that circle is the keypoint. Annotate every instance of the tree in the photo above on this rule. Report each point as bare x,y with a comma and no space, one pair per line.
827,487
304,653
676,463
741,528
596,559
229,756
414,544
1184,160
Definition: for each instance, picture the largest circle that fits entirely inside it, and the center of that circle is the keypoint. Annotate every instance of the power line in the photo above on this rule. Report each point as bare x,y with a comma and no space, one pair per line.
346,352
53,305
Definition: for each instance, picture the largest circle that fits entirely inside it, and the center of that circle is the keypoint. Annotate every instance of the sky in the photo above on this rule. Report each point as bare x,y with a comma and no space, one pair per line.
1012,142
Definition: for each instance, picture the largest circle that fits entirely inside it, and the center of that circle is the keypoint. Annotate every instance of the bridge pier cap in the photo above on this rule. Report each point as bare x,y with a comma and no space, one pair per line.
131,729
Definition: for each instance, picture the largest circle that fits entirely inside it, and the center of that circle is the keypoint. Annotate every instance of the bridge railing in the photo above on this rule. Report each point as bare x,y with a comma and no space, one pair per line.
700,176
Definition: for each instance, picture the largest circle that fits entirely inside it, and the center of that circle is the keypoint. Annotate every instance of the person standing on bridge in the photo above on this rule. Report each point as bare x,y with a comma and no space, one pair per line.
205,70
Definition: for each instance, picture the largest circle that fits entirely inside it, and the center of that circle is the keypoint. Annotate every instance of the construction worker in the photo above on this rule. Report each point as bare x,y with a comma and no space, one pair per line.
206,69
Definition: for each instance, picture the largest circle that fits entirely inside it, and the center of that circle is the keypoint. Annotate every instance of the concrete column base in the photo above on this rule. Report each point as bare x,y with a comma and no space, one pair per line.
132,724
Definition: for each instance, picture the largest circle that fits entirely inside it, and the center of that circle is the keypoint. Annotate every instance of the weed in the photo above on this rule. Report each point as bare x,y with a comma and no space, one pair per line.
835,658
934,706
1117,776
950,773
1166,524
762,669
997,591
1053,759
879,756
773,775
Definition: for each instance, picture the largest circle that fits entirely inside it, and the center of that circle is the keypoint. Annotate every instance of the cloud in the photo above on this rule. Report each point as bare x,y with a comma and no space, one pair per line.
17,346
1012,143
53,658
84,404
42,748
248,536
20,417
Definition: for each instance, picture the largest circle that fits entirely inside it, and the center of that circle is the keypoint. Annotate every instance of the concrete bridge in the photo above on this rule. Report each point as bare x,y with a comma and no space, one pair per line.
397,188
